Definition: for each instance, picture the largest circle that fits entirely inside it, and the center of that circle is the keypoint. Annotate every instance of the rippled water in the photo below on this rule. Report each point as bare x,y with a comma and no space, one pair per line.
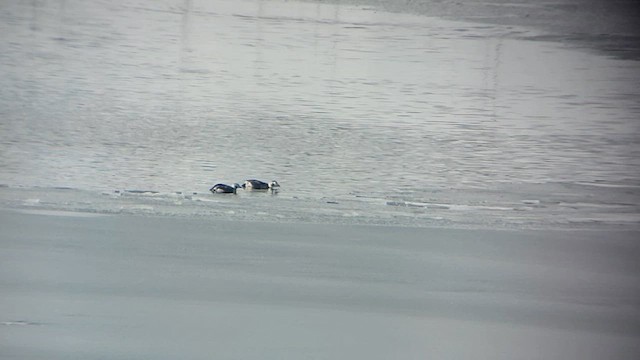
335,102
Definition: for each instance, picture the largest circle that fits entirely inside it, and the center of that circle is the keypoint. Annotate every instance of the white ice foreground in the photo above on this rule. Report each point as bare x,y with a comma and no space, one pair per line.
133,287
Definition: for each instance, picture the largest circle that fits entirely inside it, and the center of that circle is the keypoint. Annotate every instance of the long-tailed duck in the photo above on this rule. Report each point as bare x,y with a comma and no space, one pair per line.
224,189
260,185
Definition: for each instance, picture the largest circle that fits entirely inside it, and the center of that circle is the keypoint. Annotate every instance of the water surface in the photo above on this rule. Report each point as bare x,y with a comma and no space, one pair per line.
336,102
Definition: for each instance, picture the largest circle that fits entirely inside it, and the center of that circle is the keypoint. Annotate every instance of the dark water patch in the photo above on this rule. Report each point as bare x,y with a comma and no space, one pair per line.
61,39
617,45
607,26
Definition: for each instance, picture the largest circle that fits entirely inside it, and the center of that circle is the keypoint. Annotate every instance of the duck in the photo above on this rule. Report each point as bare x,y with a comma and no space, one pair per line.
224,189
253,184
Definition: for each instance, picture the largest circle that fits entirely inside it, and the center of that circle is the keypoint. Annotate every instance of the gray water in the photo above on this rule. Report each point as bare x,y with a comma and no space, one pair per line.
355,111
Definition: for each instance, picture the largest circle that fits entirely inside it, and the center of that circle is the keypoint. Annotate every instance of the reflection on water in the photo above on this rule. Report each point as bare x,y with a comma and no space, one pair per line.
327,99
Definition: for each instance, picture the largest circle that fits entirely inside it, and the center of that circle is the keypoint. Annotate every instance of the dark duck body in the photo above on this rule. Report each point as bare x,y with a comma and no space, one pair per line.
224,189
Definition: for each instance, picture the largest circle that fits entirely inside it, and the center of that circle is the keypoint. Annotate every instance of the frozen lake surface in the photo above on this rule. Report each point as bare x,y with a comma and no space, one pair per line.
127,287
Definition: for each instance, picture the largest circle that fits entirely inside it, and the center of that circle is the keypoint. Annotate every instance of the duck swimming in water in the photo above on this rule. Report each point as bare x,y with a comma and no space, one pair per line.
224,189
260,185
